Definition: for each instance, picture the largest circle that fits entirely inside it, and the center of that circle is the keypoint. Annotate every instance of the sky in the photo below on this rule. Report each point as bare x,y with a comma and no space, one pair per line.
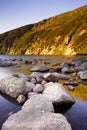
17,13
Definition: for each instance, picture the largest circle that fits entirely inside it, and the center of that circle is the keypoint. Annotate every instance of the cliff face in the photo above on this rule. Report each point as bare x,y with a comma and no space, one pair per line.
65,34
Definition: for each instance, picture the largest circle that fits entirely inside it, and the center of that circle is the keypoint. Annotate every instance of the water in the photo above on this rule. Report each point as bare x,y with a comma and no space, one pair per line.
75,114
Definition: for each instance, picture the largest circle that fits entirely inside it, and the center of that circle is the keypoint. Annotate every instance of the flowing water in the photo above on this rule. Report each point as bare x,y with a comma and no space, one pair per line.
75,114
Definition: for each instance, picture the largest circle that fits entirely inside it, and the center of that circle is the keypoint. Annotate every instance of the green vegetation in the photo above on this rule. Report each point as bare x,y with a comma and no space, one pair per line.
65,34
16,75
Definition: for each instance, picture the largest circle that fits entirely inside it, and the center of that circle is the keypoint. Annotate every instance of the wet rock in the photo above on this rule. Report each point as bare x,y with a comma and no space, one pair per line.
83,75
67,69
56,76
38,102
47,62
34,62
21,99
38,88
56,93
36,120
51,77
71,88
6,64
73,83
40,69
58,69
28,62
79,68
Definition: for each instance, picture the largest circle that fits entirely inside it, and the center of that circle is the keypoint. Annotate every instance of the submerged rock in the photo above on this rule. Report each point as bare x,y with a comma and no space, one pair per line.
40,69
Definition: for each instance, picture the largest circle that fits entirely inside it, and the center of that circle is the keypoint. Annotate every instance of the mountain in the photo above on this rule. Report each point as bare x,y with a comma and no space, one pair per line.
64,34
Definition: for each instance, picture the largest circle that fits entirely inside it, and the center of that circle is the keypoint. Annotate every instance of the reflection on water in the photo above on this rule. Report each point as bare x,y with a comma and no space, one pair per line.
76,114
5,108
80,92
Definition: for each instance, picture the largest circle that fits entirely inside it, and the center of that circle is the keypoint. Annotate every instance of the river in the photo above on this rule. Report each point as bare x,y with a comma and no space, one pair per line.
76,114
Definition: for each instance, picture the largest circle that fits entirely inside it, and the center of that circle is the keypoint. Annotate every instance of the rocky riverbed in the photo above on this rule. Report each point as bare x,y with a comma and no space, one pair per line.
40,91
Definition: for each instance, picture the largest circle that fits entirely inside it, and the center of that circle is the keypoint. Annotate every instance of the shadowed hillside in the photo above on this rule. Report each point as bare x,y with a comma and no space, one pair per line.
65,34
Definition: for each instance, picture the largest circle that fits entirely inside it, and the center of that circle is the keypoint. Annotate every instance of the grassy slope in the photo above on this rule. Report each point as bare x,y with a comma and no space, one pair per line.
60,35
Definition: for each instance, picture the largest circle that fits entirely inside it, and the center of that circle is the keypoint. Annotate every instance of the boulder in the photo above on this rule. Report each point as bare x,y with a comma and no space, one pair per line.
53,77
56,93
38,102
14,86
38,88
40,69
36,120
37,74
83,75
66,69
6,64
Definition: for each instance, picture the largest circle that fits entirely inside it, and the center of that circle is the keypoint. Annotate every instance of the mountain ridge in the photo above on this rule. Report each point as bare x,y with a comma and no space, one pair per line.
64,34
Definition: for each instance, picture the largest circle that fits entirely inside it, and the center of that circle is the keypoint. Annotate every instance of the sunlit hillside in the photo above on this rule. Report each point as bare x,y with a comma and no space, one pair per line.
64,34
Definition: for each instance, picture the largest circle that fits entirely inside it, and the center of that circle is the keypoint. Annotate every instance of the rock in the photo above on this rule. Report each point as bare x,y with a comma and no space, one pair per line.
34,62
28,62
84,82
43,82
5,64
53,77
40,69
71,88
37,74
14,86
73,83
66,69
38,102
79,68
33,80
36,120
83,75
30,94
21,99
29,87
56,93
39,79
47,62
38,88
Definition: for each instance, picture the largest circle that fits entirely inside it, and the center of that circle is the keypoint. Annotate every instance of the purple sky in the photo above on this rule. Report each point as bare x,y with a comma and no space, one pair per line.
16,13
